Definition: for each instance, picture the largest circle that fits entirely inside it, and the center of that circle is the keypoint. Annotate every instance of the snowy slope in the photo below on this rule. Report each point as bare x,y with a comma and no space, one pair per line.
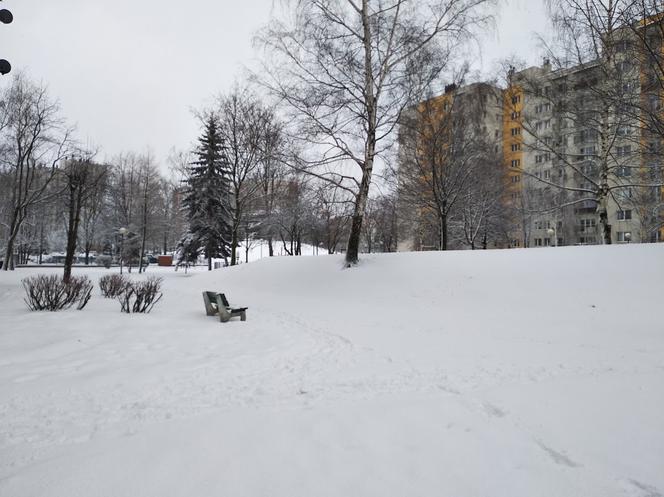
499,373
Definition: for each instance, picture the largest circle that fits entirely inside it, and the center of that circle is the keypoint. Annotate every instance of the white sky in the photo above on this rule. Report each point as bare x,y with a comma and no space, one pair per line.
128,72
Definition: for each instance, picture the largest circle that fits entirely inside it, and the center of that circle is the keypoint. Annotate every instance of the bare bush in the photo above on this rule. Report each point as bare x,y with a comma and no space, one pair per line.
52,293
141,296
112,285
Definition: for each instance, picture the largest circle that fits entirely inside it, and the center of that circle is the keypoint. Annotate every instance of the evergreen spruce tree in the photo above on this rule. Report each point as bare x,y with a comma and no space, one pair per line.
207,199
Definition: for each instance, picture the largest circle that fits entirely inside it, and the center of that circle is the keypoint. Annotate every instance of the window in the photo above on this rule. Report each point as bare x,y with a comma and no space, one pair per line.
624,194
538,242
516,163
588,151
516,99
624,130
587,225
624,172
516,131
516,147
588,169
515,178
624,151
547,174
622,46
624,215
516,115
624,236
624,66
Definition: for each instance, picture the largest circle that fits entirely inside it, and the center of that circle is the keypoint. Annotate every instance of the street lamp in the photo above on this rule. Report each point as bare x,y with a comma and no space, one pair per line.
554,233
628,237
122,232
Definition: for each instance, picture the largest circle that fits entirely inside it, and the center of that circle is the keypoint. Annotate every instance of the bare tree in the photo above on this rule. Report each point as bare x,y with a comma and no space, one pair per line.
81,179
270,175
149,198
482,212
93,209
590,87
242,124
293,213
445,145
333,210
34,140
347,69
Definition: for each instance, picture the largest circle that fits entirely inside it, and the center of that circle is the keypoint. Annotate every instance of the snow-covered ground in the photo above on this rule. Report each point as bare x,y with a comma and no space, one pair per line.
500,373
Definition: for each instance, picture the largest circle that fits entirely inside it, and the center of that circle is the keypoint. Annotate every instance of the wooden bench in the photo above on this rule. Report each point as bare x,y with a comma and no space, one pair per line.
217,304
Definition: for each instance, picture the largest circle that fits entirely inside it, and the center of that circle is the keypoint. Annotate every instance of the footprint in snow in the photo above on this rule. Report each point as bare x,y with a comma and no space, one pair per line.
644,489
558,457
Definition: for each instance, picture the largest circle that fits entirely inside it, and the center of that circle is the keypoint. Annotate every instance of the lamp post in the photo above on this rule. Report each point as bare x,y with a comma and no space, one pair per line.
122,232
554,233
628,237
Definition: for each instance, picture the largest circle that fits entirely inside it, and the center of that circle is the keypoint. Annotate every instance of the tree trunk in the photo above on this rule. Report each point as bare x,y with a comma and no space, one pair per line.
8,264
270,246
444,226
352,254
606,227
71,245
234,244
41,242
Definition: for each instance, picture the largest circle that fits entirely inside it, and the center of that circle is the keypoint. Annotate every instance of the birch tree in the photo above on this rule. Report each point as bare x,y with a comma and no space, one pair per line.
594,91
34,140
347,68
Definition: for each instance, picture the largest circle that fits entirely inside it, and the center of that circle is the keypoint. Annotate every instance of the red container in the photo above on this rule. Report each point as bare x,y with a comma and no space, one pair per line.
165,260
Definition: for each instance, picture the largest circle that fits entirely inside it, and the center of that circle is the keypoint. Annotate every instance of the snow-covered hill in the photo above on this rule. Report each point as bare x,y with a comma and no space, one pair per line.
499,373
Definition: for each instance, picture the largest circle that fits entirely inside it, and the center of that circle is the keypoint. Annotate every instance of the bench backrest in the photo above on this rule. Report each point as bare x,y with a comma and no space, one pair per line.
224,313
224,300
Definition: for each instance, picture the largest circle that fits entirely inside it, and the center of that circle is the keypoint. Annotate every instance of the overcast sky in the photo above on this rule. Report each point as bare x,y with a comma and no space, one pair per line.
128,72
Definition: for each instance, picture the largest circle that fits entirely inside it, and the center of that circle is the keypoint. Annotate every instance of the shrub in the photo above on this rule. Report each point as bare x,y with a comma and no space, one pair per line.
141,296
104,260
51,293
112,285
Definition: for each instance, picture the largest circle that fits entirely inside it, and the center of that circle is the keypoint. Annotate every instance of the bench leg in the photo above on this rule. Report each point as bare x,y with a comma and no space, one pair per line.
243,316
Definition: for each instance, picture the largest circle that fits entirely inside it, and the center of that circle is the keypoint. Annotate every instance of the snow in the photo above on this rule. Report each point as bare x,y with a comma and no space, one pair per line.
532,372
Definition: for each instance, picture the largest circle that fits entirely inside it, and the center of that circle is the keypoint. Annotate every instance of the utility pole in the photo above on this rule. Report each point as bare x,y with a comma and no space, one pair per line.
6,17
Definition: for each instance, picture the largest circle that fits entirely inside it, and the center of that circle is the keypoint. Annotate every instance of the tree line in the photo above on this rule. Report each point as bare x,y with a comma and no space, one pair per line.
343,99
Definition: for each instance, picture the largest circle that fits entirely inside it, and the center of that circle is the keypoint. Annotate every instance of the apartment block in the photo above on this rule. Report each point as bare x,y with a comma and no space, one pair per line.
575,152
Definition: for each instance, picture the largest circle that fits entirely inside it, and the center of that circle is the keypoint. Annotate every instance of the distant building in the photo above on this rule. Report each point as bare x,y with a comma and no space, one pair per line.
554,128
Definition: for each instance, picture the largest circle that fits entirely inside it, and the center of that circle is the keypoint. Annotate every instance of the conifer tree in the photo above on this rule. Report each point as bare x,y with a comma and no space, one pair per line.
207,198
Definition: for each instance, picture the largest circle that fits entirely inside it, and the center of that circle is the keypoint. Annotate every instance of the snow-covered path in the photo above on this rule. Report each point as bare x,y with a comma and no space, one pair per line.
502,373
